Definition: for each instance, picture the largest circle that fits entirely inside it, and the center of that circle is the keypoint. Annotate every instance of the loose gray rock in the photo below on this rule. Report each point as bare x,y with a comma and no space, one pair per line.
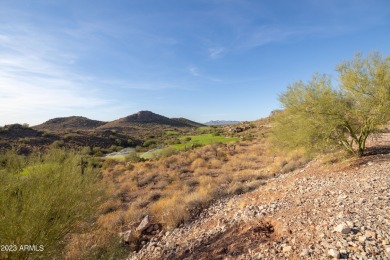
287,249
334,253
342,228
145,223
125,236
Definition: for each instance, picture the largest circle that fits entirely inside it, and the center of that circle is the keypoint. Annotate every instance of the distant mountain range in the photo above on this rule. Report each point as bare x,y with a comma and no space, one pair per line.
222,122
139,119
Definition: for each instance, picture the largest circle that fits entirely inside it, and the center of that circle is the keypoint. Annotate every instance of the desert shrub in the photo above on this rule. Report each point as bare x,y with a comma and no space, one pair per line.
175,141
57,144
248,137
110,206
155,195
67,137
161,185
165,152
109,163
147,179
192,183
197,163
131,142
40,205
171,160
170,211
118,141
149,143
97,151
170,132
289,167
133,157
130,167
196,199
115,148
112,220
86,150
237,188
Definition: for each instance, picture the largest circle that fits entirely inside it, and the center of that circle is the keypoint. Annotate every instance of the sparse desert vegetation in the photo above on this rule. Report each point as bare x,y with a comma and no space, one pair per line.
173,190
79,204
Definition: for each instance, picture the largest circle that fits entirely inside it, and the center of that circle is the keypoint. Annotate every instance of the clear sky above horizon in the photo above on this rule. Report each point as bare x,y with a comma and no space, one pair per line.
200,59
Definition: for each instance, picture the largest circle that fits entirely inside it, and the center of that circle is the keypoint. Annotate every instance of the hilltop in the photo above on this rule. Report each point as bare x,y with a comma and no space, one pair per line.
146,118
71,122
79,131
131,122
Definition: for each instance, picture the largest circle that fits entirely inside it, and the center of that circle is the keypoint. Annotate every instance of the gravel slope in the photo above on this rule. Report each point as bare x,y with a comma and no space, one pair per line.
319,212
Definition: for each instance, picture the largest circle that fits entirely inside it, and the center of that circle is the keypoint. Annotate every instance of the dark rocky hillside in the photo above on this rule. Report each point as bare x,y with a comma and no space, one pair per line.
18,131
77,131
72,122
187,122
145,118
22,138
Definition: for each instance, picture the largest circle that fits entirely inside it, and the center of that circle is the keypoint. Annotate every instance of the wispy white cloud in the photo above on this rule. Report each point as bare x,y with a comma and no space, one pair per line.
194,71
215,53
36,78
259,36
41,75
149,85
258,24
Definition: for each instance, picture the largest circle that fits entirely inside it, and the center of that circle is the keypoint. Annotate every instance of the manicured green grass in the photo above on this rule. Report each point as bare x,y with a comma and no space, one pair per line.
203,139
197,140
204,128
158,153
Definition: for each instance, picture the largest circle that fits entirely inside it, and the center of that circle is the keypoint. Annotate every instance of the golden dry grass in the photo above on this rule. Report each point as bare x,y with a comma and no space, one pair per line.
171,190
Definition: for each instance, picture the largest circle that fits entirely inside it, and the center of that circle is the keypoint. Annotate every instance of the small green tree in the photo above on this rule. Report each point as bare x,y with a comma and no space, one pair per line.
43,198
319,117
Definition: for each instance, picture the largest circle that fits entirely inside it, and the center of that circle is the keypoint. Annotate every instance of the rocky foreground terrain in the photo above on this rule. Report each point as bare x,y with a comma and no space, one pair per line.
322,211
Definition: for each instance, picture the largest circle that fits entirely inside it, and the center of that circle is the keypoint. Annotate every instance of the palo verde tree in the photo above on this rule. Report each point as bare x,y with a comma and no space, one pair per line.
319,117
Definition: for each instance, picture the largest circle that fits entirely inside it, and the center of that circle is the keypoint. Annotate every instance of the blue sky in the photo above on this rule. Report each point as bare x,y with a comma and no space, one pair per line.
199,59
